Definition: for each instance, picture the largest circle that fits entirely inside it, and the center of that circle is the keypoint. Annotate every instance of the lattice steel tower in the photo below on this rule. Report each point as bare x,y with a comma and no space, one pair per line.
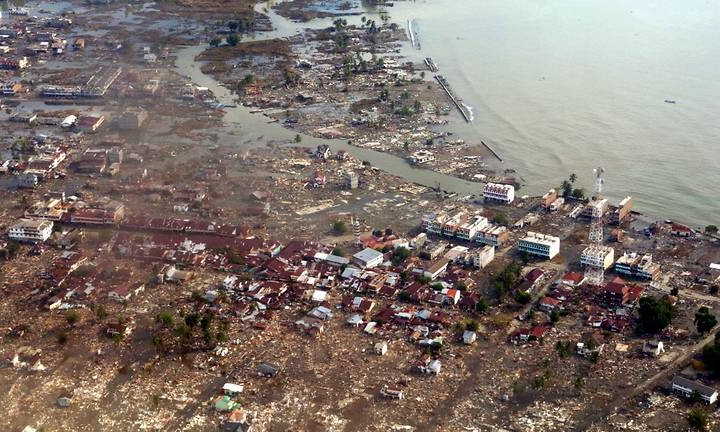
596,273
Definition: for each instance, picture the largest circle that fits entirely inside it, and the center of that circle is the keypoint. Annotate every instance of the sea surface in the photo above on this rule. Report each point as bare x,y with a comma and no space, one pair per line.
563,86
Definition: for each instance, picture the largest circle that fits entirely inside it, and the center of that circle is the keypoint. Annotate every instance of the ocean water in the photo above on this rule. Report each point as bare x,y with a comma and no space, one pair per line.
563,86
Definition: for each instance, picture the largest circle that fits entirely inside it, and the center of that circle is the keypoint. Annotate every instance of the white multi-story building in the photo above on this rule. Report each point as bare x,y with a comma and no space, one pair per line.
541,245
31,230
596,256
499,192
493,235
461,225
483,256
638,266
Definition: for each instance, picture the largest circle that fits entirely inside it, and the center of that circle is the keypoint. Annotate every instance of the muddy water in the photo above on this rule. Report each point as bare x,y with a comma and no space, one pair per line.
252,129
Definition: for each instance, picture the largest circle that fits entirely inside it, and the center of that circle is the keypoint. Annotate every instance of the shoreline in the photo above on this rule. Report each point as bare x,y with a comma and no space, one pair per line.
445,128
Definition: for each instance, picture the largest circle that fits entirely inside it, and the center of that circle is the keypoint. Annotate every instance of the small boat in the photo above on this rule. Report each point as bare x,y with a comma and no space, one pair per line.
670,101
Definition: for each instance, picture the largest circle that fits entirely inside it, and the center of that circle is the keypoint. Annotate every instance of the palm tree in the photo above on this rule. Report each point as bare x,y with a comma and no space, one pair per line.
573,178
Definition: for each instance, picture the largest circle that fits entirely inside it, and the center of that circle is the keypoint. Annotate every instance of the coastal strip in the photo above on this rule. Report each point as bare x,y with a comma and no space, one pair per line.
463,110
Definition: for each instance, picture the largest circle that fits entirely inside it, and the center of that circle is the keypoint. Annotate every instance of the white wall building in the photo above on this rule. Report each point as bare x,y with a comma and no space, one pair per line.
499,192
541,245
31,230
368,258
483,256
596,256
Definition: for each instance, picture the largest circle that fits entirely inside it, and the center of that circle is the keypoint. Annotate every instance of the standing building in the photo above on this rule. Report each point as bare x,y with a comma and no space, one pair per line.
598,256
595,208
622,212
352,180
496,192
638,266
541,245
31,230
493,235
688,388
483,256
548,198
368,258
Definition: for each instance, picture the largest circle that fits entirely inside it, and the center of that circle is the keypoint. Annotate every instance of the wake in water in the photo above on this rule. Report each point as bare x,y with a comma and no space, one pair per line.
469,110
413,37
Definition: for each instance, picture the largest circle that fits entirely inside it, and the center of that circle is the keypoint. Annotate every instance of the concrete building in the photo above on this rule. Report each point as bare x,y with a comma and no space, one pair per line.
622,212
548,198
597,256
462,225
687,388
132,119
30,230
352,180
496,192
637,266
541,245
421,157
483,256
493,235
595,207
368,258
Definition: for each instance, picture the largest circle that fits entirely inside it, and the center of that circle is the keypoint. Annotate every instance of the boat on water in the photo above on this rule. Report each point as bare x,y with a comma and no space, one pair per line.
670,101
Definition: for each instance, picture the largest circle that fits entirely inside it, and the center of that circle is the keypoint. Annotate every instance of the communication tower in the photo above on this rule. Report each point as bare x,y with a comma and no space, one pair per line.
595,272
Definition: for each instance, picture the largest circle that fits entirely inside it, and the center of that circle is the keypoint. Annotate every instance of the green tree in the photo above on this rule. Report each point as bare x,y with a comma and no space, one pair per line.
704,320
655,315
563,348
566,188
522,297
481,306
573,178
554,316
578,193
711,229
400,255
62,337
233,39
191,320
298,138
72,317
472,325
697,419
215,42
500,219
165,318
182,331
339,228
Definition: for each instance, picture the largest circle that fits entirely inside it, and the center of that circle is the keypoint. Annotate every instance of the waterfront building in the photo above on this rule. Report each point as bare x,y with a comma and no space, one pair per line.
548,198
497,192
622,212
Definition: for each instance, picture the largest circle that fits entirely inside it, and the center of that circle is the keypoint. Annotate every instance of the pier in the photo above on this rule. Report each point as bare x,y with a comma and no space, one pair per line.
467,115
431,64
491,151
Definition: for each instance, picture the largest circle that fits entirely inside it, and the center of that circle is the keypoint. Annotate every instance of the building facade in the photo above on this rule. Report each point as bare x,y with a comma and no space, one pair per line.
496,192
598,256
540,245
31,230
